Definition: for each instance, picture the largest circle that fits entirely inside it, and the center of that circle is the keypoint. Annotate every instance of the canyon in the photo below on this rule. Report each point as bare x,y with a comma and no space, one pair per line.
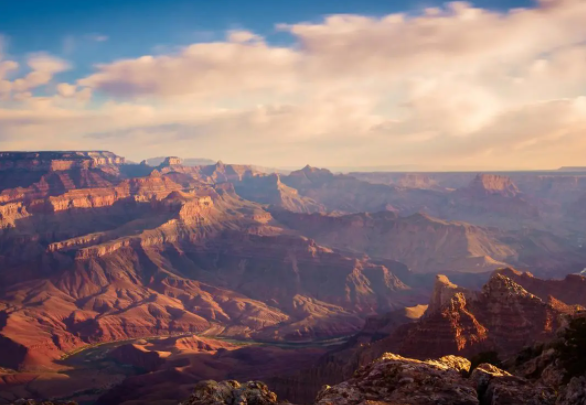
205,258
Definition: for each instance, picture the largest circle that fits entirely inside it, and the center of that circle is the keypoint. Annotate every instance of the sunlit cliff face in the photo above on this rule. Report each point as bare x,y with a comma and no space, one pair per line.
456,86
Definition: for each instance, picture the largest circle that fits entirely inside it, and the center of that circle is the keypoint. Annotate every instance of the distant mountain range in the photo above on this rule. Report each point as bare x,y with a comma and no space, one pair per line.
204,162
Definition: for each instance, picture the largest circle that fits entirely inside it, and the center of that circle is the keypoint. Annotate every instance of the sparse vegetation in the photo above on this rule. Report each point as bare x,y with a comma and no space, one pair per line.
528,353
572,349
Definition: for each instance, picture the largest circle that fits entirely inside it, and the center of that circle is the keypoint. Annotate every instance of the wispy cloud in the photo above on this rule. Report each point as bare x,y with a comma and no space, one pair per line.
97,37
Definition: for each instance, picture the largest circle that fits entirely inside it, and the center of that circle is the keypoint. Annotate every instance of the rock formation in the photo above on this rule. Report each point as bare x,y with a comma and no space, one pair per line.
33,402
571,290
498,387
231,392
347,194
502,317
424,243
56,161
172,253
394,379
492,200
490,184
268,189
156,161
94,249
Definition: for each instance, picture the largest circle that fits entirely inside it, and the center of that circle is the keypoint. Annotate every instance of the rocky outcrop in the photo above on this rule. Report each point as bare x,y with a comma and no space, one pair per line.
498,387
444,293
485,184
393,379
396,380
156,161
502,316
171,161
574,393
268,189
571,290
492,200
57,161
232,392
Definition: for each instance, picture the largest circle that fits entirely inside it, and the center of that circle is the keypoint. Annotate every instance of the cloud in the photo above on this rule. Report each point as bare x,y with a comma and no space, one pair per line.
6,67
66,90
450,37
243,37
448,86
46,63
43,67
207,69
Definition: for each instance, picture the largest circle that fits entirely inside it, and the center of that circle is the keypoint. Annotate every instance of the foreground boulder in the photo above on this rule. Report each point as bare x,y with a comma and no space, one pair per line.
498,387
574,393
397,380
231,393
393,379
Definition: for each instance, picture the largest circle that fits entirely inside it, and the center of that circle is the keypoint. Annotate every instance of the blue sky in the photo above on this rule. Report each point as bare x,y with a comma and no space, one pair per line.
140,27
496,84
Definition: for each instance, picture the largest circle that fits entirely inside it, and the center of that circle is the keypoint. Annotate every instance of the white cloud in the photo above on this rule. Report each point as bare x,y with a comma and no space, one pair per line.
43,67
46,63
206,70
457,85
66,89
243,37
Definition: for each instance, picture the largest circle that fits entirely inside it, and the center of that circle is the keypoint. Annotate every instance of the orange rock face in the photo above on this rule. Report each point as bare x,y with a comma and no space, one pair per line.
493,184
571,290
502,317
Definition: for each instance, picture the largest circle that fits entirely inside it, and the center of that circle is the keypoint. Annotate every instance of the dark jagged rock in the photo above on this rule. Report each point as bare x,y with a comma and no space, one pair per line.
574,393
571,290
498,387
33,402
232,393
393,379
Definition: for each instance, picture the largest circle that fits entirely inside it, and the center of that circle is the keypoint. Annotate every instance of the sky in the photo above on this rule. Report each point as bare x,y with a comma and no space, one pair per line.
495,84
